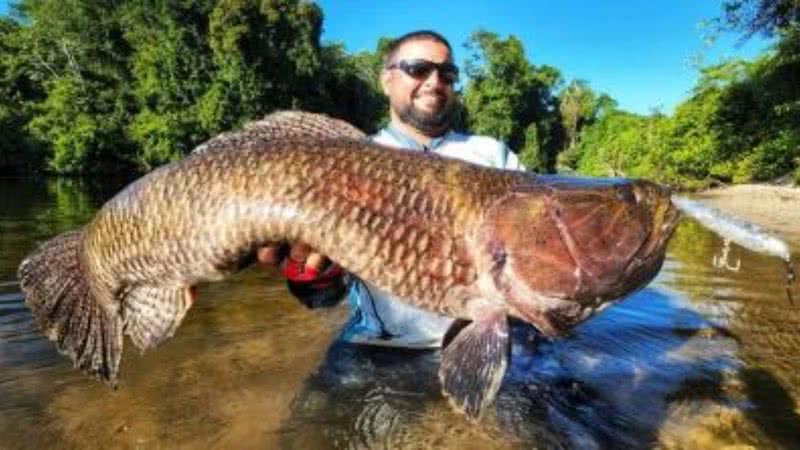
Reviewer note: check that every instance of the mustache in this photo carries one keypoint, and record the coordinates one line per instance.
(436, 92)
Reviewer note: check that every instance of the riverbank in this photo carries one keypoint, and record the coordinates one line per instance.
(775, 208)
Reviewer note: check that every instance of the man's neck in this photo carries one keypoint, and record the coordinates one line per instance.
(413, 133)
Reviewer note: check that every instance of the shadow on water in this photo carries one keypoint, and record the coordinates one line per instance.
(773, 408)
(609, 385)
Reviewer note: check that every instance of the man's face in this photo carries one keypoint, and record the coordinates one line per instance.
(426, 102)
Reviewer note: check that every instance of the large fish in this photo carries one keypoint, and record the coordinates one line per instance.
(470, 242)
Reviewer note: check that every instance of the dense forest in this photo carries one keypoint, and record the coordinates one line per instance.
(93, 87)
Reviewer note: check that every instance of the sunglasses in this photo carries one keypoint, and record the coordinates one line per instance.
(420, 69)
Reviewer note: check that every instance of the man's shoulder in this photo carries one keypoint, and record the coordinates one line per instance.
(475, 148)
(383, 137)
(456, 137)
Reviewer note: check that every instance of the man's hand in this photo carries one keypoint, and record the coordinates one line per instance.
(309, 260)
(311, 276)
(302, 265)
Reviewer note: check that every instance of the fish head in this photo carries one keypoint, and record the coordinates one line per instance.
(559, 248)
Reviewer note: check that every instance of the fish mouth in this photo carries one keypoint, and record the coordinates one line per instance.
(657, 201)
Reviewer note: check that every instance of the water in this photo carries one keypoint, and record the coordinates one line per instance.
(705, 357)
(746, 234)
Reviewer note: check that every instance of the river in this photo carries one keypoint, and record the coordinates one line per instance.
(707, 356)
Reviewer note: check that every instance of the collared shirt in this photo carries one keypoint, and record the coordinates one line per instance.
(482, 150)
(379, 318)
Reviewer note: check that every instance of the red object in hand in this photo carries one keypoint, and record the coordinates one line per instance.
(298, 272)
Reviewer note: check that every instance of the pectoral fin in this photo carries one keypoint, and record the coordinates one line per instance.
(152, 314)
(474, 362)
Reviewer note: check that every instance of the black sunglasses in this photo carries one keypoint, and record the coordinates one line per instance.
(420, 69)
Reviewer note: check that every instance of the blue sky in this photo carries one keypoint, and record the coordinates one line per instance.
(641, 53)
(644, 54)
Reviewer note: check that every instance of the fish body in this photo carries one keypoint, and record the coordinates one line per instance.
(474, 243)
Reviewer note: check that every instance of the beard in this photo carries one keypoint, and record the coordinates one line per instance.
(431, 123)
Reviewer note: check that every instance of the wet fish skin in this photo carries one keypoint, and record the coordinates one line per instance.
(570, 246)
(195, 220)
(466, 241)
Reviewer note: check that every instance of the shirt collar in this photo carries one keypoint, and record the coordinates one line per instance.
(409, 142)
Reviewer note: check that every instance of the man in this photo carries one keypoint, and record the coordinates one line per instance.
(370, 394)
(418, 77)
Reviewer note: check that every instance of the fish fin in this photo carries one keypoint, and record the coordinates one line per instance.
(474, 362)
(284, 125)
(152, 313)
(60, 298)
(287, 123)
(452, 332)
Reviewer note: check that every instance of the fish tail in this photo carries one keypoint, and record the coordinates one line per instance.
(59, 296)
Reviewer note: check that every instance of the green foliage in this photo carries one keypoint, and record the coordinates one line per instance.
(759, 16)
(267, 56)
(797, 172)
(578, 106)
(531, 154)
(691, 136)
(84, 125)
(506, 95)
(740, 125)
(18, 150)
(74, 52)
(771, 158)
(349, 88)
(171, 69)
(623, 144)
(90, 86)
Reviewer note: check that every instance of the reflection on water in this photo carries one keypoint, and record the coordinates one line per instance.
(705, 357)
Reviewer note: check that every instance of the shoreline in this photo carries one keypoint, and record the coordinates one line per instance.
(774, 208)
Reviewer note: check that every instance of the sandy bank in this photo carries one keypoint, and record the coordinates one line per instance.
(775, 208)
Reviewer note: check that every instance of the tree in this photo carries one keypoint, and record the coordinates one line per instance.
(578, 107)
(18, 91)
(759, 16)
(122, 84)
(76, 50)
(624, 144)
(349, 88)
(506, 94)
(266, 55)
(761, 112)
(171, 69)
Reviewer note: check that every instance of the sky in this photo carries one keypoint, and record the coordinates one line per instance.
(644, 54)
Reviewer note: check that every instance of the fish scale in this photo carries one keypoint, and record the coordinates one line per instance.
(340, 214)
